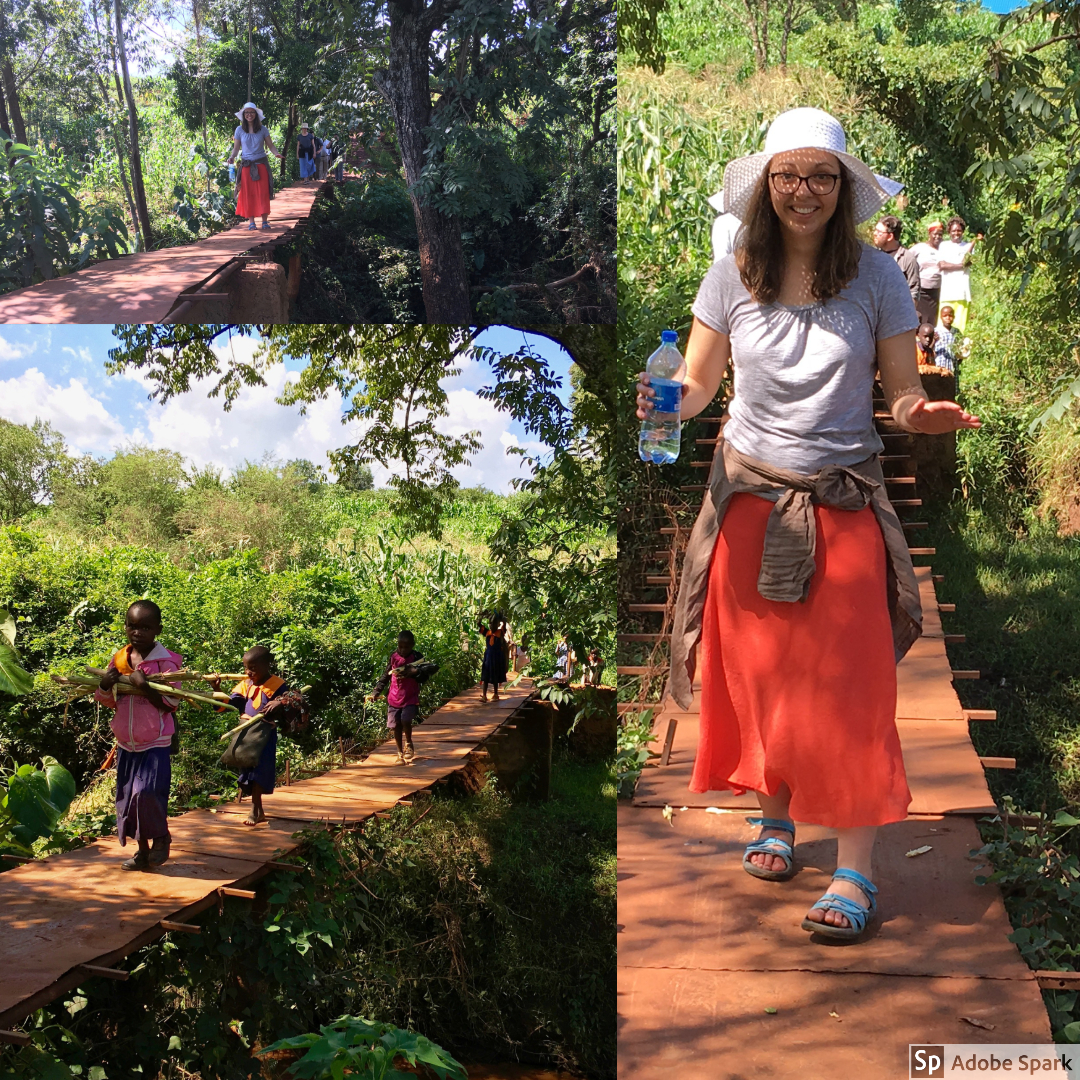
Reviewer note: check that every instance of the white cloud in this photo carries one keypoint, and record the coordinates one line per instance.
(72, 410)
(83, 354)
(492, 467)
(10, 351)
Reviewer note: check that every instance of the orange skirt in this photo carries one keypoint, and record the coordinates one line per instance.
(802, 694)
(254, 198)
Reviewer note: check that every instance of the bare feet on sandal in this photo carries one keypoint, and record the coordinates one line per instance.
(832, 916)
(251, 819)
(763, 859)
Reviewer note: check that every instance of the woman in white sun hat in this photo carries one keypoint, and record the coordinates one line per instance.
(797, 584)
(256, 187)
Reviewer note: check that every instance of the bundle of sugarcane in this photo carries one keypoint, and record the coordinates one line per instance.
(87, 684)
(189, 676)
(252, 719)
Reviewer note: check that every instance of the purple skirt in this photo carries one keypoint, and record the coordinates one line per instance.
(265, 773)
(142, 793)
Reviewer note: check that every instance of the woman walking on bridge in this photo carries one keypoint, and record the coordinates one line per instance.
(256, 187)
(797, 582)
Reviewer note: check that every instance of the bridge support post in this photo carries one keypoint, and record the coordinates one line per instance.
(521, 754)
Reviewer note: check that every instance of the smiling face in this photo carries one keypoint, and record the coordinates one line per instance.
(250, 114)
(934, 235)
(956, 231)
(803, 213)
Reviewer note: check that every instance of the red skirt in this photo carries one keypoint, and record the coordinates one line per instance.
(802, 694)
(254, 198)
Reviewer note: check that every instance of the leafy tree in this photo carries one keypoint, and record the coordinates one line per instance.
(466, 81)
(354, 477)
(389, 375)
(134, 497)
(31, 457)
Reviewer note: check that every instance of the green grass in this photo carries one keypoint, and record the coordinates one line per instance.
(1016, 594)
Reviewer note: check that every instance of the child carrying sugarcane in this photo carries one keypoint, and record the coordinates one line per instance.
(144, 725)
(403, 698)
(252, 696)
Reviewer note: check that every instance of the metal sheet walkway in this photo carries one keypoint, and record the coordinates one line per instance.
(144, 287)
(81, 908)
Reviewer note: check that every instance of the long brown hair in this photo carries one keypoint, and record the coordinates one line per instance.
(759, 251)
(255, 125)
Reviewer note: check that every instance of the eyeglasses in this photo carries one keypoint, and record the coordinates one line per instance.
(789, 183)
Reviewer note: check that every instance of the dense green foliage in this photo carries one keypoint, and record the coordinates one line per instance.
(487, 926)
(32, 803)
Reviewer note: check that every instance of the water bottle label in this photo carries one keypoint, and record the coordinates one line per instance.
(668, 395)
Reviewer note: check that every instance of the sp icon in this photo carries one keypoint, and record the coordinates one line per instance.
(926, 1062)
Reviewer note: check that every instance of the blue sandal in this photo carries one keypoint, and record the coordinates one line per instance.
(857, 915)
(771, 845)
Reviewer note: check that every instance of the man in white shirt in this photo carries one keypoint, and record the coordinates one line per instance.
(724, 228)
(886, 237)
(927, 253)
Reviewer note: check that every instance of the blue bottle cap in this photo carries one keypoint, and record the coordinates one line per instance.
(669, 337)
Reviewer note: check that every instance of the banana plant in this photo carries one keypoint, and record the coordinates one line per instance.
(15, 680)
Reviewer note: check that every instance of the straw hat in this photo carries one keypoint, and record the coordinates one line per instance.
(802, 129)
(249, 105)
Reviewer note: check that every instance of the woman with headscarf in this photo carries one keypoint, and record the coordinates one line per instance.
(256, 187)
(798, 595)
(305, 153)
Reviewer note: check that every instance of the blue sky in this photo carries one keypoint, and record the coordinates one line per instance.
(57, 373)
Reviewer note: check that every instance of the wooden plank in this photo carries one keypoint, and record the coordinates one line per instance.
(980, 714)
(998, 762)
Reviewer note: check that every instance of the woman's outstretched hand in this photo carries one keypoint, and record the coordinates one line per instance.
(645, 395)
(938, 417)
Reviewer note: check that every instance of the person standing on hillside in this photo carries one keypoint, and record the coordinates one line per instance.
(886, 237)
(953, 261)
(256, 187)
(797, 593)
(927, 254)
(724, 228)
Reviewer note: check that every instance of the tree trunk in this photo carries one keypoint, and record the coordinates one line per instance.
(287, 146)
(202, 85)
(11, 93)
(120, 163)
(133, 122)
(5, 123)
(405, 86)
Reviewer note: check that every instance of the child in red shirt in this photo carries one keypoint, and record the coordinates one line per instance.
(403, 699)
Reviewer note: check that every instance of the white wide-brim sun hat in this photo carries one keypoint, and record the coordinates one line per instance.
(249, 105)
(806, 129)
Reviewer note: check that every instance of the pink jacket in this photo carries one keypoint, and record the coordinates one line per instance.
(138, 724)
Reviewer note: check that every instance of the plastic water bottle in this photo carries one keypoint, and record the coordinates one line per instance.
(661, 433)
(232, 173)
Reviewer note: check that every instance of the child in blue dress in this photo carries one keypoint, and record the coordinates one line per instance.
(493, 669)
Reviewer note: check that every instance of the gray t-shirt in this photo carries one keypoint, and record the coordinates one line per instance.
(804, 375)
(251, 142)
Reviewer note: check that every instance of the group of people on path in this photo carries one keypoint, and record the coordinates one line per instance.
(798, 596)
(936, 271)
(251, 141)
(144, 723)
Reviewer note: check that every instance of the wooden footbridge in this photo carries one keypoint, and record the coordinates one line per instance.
(716, 979)
(72, 917)
(194, 283)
